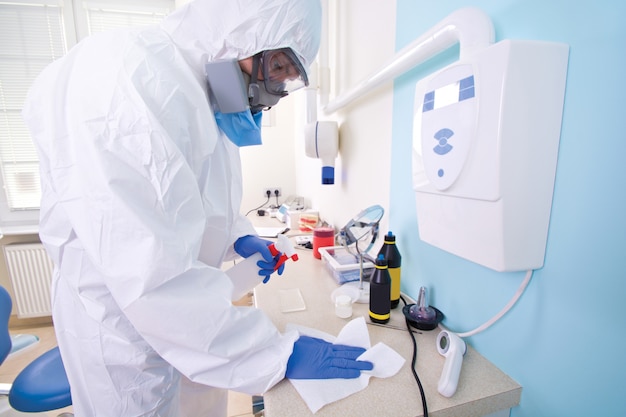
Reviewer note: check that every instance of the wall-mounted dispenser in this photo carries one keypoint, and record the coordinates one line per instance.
(322, 141)
(485, 145)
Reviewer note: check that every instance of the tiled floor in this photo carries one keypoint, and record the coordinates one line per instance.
(239, 405)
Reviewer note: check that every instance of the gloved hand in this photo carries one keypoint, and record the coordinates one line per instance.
(314, 358)
(249, 245)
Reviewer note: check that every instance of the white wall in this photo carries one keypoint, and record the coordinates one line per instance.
(362, 171)
(271, 164)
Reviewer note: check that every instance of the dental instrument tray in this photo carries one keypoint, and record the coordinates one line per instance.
(343, 265)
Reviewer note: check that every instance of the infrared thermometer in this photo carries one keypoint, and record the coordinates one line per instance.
(452, 347)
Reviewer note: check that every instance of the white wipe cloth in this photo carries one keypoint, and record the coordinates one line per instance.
(316, 393)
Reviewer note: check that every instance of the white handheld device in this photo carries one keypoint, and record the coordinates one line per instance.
(453, 348)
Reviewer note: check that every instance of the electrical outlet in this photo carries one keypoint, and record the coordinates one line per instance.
(274, 191)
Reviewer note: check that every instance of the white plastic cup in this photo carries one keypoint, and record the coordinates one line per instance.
(343, 306)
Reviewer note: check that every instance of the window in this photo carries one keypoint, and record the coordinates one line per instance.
(32, 35)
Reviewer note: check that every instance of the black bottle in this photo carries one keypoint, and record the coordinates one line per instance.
(380, 292)
(394, 260)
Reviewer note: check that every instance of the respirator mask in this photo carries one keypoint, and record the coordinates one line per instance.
(239, 98)
(282, 73)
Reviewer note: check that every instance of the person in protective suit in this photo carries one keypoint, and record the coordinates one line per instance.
(141, 191)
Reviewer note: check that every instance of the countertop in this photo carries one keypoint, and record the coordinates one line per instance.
(482, 390)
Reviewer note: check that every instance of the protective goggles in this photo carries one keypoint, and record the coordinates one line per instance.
(281, 70)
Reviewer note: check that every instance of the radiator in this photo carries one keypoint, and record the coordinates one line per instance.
(30, 271)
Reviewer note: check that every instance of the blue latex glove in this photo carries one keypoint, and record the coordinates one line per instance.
(314, 358)
(249, 245)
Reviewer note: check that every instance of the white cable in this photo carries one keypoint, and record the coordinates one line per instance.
(506, 308)
(412, 301)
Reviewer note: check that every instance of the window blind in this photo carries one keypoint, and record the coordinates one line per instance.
(32, 35)
(102, 16)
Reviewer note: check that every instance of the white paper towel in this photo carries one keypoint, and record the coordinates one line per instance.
(316, 393)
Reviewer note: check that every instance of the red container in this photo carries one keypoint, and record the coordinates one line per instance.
(322, 236)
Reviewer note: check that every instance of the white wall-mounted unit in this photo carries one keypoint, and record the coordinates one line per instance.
(486, 137)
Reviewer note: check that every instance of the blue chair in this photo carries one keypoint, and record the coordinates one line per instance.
(5, 313)
(42, 385)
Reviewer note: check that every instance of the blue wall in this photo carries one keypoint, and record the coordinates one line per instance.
(564, 340)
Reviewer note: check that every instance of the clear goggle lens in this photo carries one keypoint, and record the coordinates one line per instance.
(282, 72)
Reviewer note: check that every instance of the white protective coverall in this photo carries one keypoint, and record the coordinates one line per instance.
(140, 207)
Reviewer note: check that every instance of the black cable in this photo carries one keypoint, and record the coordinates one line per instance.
(413, 363)
(262, 205)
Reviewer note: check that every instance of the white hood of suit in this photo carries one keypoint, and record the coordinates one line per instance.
(236, 29)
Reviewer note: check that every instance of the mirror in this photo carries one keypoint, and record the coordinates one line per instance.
(360, 234)
(362, 230)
